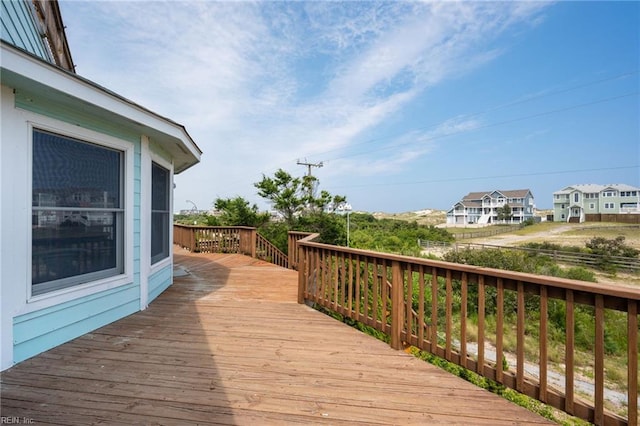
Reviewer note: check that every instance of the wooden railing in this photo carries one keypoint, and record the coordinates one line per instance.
(228, 239)
(270, 253)
(293, 238)
(473, 316)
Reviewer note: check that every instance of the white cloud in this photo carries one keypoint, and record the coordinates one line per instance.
(260, 84)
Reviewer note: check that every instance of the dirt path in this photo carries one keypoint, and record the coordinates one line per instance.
(513, 239)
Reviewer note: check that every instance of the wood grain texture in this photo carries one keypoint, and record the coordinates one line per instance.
(229, 344)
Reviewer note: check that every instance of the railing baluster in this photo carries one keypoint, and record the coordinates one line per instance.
(421, 318)
(542, 342)
(520, 339)
(322, 272)
(569, 345)
(632, 361)
(397, 290)
(499, 329)
(384, 296)
(448, 316)
(599, 361)
(375, 293)
(358, 267)
(365, 287)
(434, 310)
(481, 314)
(350, 286)
(409, 303)
(336, 279)
(463, 320)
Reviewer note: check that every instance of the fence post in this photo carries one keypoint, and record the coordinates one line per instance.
(397, 305)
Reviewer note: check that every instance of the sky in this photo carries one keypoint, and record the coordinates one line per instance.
(407, 105)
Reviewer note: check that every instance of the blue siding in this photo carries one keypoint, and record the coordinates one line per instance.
(39, 331)
(42, 330)
(20, 29)
(159, 282)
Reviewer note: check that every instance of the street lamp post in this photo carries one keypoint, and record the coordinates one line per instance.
(346, 207)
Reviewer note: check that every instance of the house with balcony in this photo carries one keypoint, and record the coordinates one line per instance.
(583, 202)
(482, 208)
(86, 182)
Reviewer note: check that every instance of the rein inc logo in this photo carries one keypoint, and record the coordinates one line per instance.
(8, 420)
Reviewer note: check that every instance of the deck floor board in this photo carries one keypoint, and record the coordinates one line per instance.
(228, 344)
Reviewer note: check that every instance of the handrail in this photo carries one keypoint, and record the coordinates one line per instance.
(265, 250)
(429, 304)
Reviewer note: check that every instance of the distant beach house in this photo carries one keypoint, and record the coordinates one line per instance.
(588, 202)
(484, 208)
(86, 183)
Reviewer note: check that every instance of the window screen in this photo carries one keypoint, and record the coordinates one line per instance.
(77, 212)
(159, 213)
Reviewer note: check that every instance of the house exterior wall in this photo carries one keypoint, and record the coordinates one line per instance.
(33, 323)
(482, 208)
(578, 202)
(41, 92)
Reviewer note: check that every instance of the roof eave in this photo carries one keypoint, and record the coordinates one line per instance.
(23, 71)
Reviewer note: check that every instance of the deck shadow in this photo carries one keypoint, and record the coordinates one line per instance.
(152, 367)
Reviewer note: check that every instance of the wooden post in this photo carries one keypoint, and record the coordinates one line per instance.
(303, 273)
(397, 287)
(254, 238)
(291, 251)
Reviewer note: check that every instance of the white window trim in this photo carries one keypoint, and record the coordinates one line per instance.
(41, 301)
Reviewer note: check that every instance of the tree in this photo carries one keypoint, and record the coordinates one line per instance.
(504, 212)
(238, 212)
(285, 193)
(291, 196)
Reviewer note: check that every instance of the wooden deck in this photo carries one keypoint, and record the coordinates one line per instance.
(228, 344)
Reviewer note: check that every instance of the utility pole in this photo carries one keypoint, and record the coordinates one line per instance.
(309, 166)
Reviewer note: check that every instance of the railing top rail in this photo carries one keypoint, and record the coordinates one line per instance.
(249, 228)
(300, 233)
(542, 280)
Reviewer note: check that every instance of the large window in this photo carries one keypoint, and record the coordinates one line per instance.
(77, 215)
(159, 213)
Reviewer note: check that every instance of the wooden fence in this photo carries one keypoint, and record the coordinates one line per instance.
(619, 218)
(560, 256)
(454, 311)
(484, 233)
